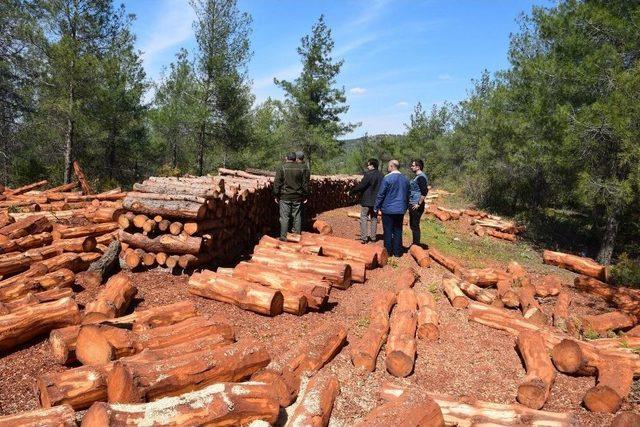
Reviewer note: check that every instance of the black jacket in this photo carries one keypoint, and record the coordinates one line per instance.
(368, 186)
(292, 182)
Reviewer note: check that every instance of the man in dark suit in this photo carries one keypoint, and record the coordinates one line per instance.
(368, 188)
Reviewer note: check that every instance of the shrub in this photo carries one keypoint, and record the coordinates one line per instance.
(626, 272)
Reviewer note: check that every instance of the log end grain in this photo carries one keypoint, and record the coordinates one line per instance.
(92, 347)
(428, 332)
(533, 393)
(399, 364)
(567, 356)
(602, 398)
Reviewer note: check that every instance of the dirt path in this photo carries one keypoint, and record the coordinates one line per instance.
(468, 360)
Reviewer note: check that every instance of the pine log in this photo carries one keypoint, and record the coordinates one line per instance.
(561, 312)
(500, 235)
(420, 255)
(284, 373)
(32, 321)
(536, 385)
(26, 188)
(5, 219)
(24, 243)
(613, 385)
(62, 188)
(454, 294)
(164, 243)
(186, 207)
(59, 416)
(365, 353)
(31, 299)
(413, 409)
(134, 379)
(612, 321)
(78, 387)
(549, 285)
(85, 230)
(312, 287)
(531, 309)
(479, 231)
(625, 299)
(483, 277)
(246, 295)
(76, 244)
(34, 224)
(100, 215)
(371, 255)
(82, 179)
(316, 404)
(401, 343)
(476, 293)
(404, 279)
(575, 263)
(217, 404)
(626, 419)
(454, 213)
(107, 263)
(57, 279)
(112, 301)
(516, 270)
(270, 242)
(427, 317)
(322, 227)
(507, 294)
(442, 216)
(444, 261)
(339, 275)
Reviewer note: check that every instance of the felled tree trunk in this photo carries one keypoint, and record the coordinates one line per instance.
(316, 404)
(246, 295)
(476, 293)
(413, 409)
(339, 247)
(58, 279)
(322, 227)
(404, 279)
(401, 343)
(83, 231)
(561, 312)
(536, 386)
(78, 387)
(613, 385)
(365, 353)
(34, 224)
(32, 321)
(483, 277)
(427, 317)
(507, 294)
(164, 243)
(420, 255)
(500, 235)
(187, 207)
(530, 307)
(453, 293)
(612, 321)
(444, 261)
(133, 381)
(59, 416)
(217, 404)
(112, 301)
(575, 263)
(549, 285)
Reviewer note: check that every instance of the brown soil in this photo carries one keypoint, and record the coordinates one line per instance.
(468, 360)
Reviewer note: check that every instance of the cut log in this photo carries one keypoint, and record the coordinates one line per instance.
(413, 409)
(76, 244)
(401, 343)
(404, 279)
(100, 215)
(530, 307)
(59, 416)
(175, 228)
(420, 255)
(17, 262)
(85, 230)
(427, 317)
(441, 215)
(444, 261)
(26, 188)
(626, 419)
(575, 263)
(306, 358)
(613, 385)
(341, 248)
(365, 353)
(270, 242)
(112, 301)
(454, 294)
(24, 243)
(31, 299)
(483, 277)
(625, 299)
(217, 404)
(62, 188)
(157, 204)
(479, 231)
(338, 274)
(82, 179)
(78, 387)
(30, 322)
(136, 379)
(314, 288)
(316, 404)
(243, 294)
(500, 235)
(536, 385)
(34, 224)
(549, 285)
(477, 293)
(612, 321)
(507, 294)
(107, 264)
(165, 243)
(561, 312)
(322, 227)
(57, 279)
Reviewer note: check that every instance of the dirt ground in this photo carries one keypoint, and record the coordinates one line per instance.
(468, 360)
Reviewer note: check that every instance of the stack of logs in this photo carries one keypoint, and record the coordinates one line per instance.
(292, 276)
(191, 221)
(553, 342)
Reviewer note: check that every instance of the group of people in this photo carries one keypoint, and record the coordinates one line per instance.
(391, 195)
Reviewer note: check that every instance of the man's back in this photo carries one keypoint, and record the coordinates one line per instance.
(393, 197)
(292, 181)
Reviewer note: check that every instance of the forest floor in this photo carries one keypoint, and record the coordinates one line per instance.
(469, 359)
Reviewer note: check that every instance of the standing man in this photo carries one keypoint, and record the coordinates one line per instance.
(419, 189)
(307, 174)
(393, 200)
(368, 188)
(290, 191)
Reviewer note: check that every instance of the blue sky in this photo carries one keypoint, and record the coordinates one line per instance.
(396, 52)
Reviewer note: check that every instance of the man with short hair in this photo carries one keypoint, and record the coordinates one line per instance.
(419, 187)
(393, 200)
(368, 188)
(291, 190)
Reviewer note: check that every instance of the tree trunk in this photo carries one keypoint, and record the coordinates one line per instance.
(454, 294)
(112, 301)
(536, 385)
(315, 407)
(612, 387)
(413, 409)
(365, 353)
(427, 317)
(59, 416)
(401, 343)
(201, 148)
(608, 241)
(420, 255)
(578, 264)
(69, 141)
(166, 243)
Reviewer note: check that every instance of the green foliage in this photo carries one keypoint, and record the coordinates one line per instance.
(590, 334)
(626, 272)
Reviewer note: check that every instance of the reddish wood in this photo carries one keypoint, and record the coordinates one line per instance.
(59, 416)
(25, 188)
(339, 247)
(34, 224)
(483, 277)
(322, 227)
(561, 318)
(441, 215)
(580, 265)
(404, 279)
(427, 317)
(612, 321)
(78, 387)
(444, 261)
(82, 179)
(401, 343)
(530, 307)
(246, 295)
(32, 321)
(57, 279)
(626, 419)
(500, 235)
(613, 385)
(135, 379)
(451, 287)
(112, 301)
(217, 404)
(165, 243)
(24, 243)
(365, 353)
(477, 293)
(413, 409)
(76, 244)
(316, 404)
(549, 285)
(420, 255)
(507, 294)
(625, 299)
(85, 230)
(534, 389)
(177, 206)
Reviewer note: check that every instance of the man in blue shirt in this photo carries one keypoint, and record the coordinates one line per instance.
(393, 201)
(419, 189)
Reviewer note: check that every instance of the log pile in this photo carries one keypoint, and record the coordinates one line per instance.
(190, 221)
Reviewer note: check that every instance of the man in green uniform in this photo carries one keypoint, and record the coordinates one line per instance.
(291, 190)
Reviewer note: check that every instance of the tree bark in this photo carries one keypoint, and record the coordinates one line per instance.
(454, 294)
(605, 253)
(401, 343)
(316, 404)
(112, 301)
(536, 385)
(365, 353)
(427, 317)
(420, 255)
(59, 416)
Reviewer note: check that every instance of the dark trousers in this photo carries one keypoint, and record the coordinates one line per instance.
(290, 211)
(414, 223)
(392, 230)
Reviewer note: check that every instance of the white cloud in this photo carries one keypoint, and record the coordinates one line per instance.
(357, 90)
(402, 104)
(173, 26)
(444, 77)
